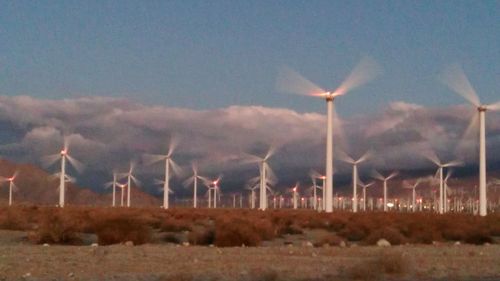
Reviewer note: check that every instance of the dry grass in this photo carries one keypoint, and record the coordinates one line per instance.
(234, 227)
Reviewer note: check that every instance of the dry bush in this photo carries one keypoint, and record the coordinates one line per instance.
(478, 237)
(201, 236)
(387, 264)
(353, 233)
(175, 225)
(388, 233)
(120, 229)
(235, 232)
(55, 227)
(14, 218)
(327, 239)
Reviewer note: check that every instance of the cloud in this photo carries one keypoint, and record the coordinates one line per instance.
(106, 133)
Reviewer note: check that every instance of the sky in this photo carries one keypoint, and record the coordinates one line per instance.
(207, 71)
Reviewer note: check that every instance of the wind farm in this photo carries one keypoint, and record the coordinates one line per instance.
(314, 140)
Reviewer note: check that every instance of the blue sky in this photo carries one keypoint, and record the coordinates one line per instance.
(212, 54)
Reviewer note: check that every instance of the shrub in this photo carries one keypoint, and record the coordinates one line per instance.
(175, 225)
(478, 237)
(327, 239)
(13, 218)
(353, 233)
(122, 229)
(386, 264)
(388, 233)
(201, 236)
(55, 228)
(235, 232)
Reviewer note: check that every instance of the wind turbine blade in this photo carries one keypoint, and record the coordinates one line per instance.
(454, 163)
(469, 134)
(248, 158)
(494, 106)
(455, 78)
(338, 129)
(150, 159)
(14, 187)
(253, 180)
(136, 181)
(431, 156)
(174, 141)
(377, 175)
(448, 175)
(365, 71)
(392, 175)
(16, 173)
(175, 168)
(271, 176)
(417, 183)
(49, 160)
(108, 184)
(315, 174)
(188, 181)
(342, 155)
(370, 184)
(70, 179)
(365, 157)
(79, 167)
(65, 143)
(270, 153)
(292, 82)
(194, 167)
(157, 181)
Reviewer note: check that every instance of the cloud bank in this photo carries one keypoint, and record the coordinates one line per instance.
(107, 133)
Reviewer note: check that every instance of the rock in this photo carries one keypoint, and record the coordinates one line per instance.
(314, 255)
(185, 244)
(383, 243)
(457, 243)
(45, 245)
(94, 245)
(342, 244)
(129, 243)
(486, 244)
(27, 275)
(307, 244)
(71, 274)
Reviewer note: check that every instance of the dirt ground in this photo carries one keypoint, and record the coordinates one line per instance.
(21, 260)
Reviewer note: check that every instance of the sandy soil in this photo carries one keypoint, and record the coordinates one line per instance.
(23, 261)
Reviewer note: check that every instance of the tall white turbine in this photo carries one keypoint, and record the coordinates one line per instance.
(130, 178)
(194, 180)
(348, 159)
(413, 192)
(252, 185)
(434, 159)
(63, 176)
(322, 187)
(12, 185)
(213, 186)
(292, 82)
(113, 185)
(122, 188)
(267, 176)
(455, 78)
(378, 176)
(169, 163)
(364, 186)
(295, 195)
(446, 190)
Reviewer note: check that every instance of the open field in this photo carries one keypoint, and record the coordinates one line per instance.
(45, 243)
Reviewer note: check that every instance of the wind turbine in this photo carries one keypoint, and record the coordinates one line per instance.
(446, 189)
(63, 177)
(413, 193)
(378, 176)
(12, 185)
(365, 186)
(113, 184)
(130, 178)
(348, 159)
(434, 159)
(194, 180)
(252, 185)
(212, 185)
(292, 82)
(455, 78)
(322, 187)
(169, 163)
(314, 175)
(267, 176)
(295, 195)
(122, 187)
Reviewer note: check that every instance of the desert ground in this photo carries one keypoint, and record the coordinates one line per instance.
(93, 243)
